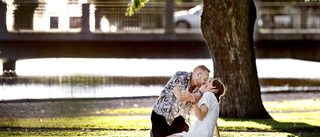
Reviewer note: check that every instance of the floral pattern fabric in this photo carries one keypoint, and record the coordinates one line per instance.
(167, 104)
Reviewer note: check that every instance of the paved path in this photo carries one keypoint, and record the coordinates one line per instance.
(87, 107)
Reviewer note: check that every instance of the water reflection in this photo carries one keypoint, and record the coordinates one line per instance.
(41, 91)
(79, 86)
(104, 78)
(107, 67)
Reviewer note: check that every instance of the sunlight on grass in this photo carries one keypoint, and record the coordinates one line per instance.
(237, 124)
(304, 121)
(311, 118)
(265, 134)
(77, 133)
(274, 106)
(127, 111)
(308, 121)
(145, 134)
(101, 122)
(299, 105)
(136, 122)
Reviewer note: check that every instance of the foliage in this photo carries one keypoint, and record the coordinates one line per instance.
(134, 6)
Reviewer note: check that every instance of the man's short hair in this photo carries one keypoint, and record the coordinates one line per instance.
(201, 67)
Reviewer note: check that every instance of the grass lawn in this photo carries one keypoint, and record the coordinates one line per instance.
(136, 122)
(146, 134)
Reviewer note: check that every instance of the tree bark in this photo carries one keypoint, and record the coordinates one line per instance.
(227, 26)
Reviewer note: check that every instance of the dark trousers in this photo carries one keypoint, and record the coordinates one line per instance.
(160, 127)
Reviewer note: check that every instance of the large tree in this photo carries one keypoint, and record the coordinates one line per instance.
(227, 26)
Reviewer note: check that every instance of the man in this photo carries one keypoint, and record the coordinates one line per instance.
(171, 112)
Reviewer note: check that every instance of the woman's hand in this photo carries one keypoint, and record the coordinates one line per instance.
(187, 95)
(181, 94)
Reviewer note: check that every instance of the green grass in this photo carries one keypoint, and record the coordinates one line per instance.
(284, 122)
(293, 122)
(300, 105)
(147, 134)
(127, 111)
(266, 134)
(136, 122)
(93, 122)
(274, 106)
(77, 133)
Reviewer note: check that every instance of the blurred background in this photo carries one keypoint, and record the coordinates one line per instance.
(90, 49)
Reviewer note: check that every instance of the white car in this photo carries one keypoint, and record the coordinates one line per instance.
(186, 19)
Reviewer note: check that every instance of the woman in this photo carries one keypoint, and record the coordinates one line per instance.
(207, 111)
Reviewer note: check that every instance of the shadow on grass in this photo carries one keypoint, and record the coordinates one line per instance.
(276, 126)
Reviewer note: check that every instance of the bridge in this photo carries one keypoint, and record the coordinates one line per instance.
(159, 30)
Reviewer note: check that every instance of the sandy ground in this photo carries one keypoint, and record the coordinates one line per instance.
(89, 107)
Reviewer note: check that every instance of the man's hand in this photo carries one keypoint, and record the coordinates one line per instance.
(206, 88)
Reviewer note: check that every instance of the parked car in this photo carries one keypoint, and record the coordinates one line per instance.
(186, 19)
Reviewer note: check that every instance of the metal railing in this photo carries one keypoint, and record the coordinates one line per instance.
(109, 17)
(288, 18)
(43, 17)
(103, 17)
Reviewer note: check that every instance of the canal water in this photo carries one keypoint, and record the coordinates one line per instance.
(109, 78)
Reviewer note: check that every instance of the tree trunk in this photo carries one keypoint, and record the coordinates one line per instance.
(227, 26)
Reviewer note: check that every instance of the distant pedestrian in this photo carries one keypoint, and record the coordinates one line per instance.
(171, 112)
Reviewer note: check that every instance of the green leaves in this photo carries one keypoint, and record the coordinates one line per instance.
(134, 6)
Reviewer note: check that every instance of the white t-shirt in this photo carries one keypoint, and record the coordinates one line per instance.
(205, 128)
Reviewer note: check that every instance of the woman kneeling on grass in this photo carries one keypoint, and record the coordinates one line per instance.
(207, 111)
